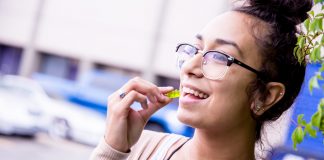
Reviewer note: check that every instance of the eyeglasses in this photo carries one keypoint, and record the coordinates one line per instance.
(214, 65)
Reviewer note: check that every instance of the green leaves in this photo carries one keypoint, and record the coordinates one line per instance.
(301, 42)
(315, 54)
(309, 129)
(301, 120)
(316, 119)
(322, 68)
(310, 43)
(297, 136)
(320, 15)
(311, 13)
(321, 114)
(318, 116)
(316, 124)
(313, 83)
(306, 23)
(316, 25)
(319, 25)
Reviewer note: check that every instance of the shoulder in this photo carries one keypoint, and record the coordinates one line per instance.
(150, 141)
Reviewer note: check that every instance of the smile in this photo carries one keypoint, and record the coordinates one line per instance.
(198, 94)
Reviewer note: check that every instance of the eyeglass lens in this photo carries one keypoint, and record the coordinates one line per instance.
(214, 64)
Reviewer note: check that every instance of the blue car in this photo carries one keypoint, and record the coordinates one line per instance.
(94, 88)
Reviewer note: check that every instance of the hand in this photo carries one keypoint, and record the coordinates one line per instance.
(125, 125)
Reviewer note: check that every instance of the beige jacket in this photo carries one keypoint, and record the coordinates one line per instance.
(151, 145)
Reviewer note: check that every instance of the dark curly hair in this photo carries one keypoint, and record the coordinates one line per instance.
(276, 46)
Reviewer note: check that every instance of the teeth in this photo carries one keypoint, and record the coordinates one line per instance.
(201, 95)
(193, 92)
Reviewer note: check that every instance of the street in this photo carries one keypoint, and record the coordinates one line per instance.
(41, 147)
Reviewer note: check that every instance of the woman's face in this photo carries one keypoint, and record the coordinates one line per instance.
(227, 106)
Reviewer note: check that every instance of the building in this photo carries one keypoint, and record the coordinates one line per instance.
(67, 38)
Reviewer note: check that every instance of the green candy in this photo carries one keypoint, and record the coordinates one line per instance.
(173, 94)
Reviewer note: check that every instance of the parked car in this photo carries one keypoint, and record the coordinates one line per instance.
(74, 122)
(18, 114)
(93, 89)
(41, 113)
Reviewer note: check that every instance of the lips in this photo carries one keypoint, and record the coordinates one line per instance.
(194, 92)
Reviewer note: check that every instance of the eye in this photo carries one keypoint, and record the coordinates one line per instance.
(216, 58)
(219, 57)
(190, 50)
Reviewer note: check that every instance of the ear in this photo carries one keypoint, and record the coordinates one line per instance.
(275, 92)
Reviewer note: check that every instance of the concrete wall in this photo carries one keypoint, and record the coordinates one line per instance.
(140, 35)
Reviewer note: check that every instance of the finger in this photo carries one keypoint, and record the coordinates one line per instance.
(147, 113)
(164, 90)
(143, 87)
(114, 97)
(144, 104)
(152, 99)
(125, 103)
(133, 96)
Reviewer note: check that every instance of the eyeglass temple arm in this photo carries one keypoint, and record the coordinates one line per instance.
(247, 67)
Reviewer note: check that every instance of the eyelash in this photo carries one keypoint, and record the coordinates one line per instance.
(200, 48)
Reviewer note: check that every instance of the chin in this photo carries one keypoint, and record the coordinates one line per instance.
(186, 117)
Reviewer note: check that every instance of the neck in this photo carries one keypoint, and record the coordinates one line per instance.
(208, 145)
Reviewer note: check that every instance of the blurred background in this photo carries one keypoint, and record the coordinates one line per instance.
(60, 59)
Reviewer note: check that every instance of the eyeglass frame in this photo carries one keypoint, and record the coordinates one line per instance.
(230, 60)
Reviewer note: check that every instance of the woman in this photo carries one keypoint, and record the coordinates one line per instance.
(239, 73)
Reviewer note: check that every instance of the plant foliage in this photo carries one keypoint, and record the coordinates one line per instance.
(309, 48)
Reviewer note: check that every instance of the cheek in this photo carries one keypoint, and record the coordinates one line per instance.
(230, 95)
(228, 109)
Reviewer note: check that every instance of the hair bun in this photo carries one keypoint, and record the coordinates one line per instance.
(289, 12)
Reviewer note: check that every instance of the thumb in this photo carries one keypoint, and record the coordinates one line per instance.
(164, 90)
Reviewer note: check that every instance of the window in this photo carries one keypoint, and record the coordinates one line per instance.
(10, 58)
(119, 70)
(59, 66)
(108, 77)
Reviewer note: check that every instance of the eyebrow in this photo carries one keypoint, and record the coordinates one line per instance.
(224, 42)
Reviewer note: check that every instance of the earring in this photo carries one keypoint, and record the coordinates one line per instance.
(281, 93)
(258, 106)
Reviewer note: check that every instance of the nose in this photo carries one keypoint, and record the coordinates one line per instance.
(192, 67)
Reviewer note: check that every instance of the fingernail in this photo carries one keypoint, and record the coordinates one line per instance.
(170, 87)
